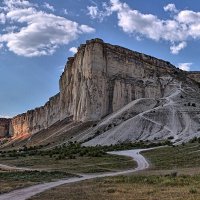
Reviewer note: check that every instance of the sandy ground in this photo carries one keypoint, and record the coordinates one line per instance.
(25, 193)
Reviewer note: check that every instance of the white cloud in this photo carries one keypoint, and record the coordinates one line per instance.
(2, 18)
(95, 13)
(188, 17)
(13, 4)
(61, 68)
(175, 49)
(170, 7)
(48, 6)
(10, 28)
(185, 66)
(181, 26)
(5, 116)
(93, 2)
(65, 11)
(1, 45)
(39, 33)
(86, 29)
(148, 25)
(73, 50)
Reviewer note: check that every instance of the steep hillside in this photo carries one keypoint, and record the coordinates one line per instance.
(175, 117)
(109, 94)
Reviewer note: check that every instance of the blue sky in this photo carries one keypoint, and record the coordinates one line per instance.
(36, 37)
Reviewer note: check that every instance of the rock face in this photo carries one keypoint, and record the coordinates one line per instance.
(37, 119)
(175, 117)
(4, 127)
(195, 76)
(100, 80)
(103, 78)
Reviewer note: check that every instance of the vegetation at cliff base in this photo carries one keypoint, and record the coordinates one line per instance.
(72, 150)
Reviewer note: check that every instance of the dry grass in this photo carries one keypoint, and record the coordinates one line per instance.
(187, 156)
(78, 165)
(12, 185)
(15, 180)
(148, 185)
(128, 188)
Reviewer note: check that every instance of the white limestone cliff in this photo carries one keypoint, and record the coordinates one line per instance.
(101, 80)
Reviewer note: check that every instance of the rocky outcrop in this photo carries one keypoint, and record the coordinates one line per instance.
(174, 117)
(195, 75)
(101, 79)
(4, 127)
(38, 119)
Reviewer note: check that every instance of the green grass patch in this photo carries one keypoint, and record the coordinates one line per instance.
(135, 187)
(183, 156)
(15, 180)
(78, 165)
(72, 150)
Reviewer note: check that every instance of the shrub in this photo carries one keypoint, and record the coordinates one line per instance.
(111, 190)
(193, 190)
(193, 140)
(72, 156)
(174, 174)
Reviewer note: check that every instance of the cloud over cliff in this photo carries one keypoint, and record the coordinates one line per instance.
(180, 27)
(38, 32)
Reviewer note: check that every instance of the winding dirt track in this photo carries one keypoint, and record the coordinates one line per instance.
(25, 193)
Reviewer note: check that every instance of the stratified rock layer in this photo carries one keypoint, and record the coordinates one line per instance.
(100, 80)
(38, 119)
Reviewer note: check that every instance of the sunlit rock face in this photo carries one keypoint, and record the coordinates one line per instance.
(102, 78)
(99, 80)
(38, 119)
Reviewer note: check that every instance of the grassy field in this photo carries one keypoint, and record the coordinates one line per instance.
(164, 181)
(128, 188)
(77, 165)
(183, 156)
(158, 183)
(57, 165)
(73, 158)
(14, 180)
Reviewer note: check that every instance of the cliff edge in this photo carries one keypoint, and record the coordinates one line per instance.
(104, 81)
